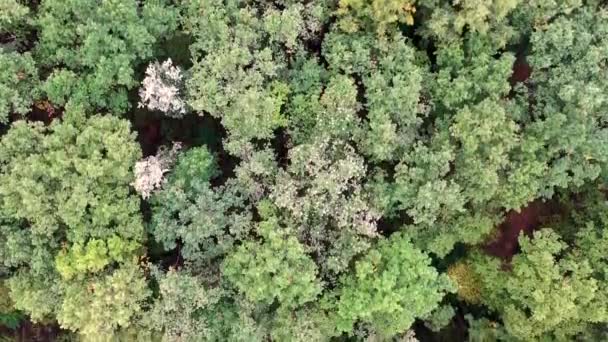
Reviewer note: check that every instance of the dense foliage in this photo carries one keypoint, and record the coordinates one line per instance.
(325, 170)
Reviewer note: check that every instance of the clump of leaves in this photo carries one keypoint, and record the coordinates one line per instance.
(548, 293)
(19, 84)
(264, 271)
(65, 194)
(379, 14)
(93, 48)
(392, 285)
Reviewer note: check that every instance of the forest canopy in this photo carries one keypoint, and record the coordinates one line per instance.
(303, 170)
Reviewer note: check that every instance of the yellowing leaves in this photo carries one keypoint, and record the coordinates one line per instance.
(357, 14)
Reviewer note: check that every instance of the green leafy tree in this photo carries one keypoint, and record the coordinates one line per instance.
(14, 23)
(240, 57)
(392, 82)
(320, 194)
(264, 271)
(94, 256)
(377, 13)
(234, 76)
(568, 99)
(359, 138)
(19, 84)
(548, 293)
(98, 307)
(448, 20)
(440, 318)
(208, 221)
(194, 169)
(305, 324)
(9, 317)
(92, 48)
(71, 177)
(176, 314)
(12, 10)
(65, 195)
(392, 286)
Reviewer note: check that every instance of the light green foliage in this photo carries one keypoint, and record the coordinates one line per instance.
(591, 243)
(437, 202)
(14, 22)
(66, 184)
(392, 76)
(275, 269)
(469, 73)
(241, 56)
(71, 178)
(337, 117)
(486, 136)
(537, 13)
(547, 293)
(255, 175)
(234, 76)
(394, 101)
(99, 306)
(420, 187)
(94, 256)
(478, 159)
(379, 14)
(440, 318)
(18, 84)
(392, 286)
(447, 20)
(234, 319)
(38, 293)
(302, 325)
(464, 160)
(483, 130)
(11, 11)
(93, 47)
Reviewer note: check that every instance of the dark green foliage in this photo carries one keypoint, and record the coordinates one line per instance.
(9, 317)
(18, 84)
(207, 221)
(194, 169)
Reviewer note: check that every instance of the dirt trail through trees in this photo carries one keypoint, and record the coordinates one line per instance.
(528, 219)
